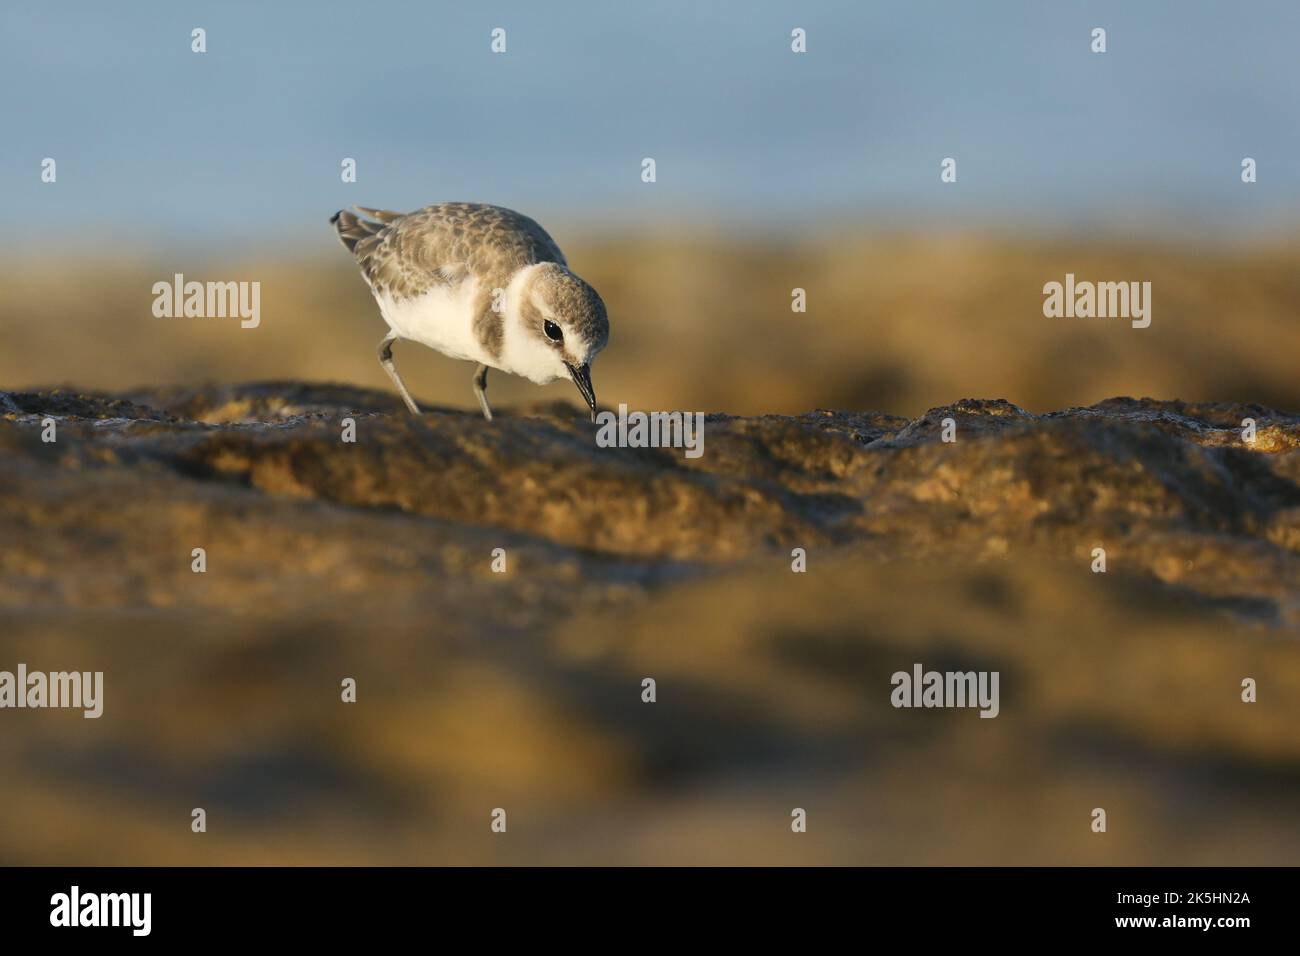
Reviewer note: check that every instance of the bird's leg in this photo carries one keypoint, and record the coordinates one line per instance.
(386, 360)
(480, 390)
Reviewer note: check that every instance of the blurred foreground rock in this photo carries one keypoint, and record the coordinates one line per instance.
(522, 690)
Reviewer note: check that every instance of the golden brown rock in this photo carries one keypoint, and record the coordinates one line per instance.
(522, 690)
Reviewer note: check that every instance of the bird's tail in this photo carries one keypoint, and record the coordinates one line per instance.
(352, 229)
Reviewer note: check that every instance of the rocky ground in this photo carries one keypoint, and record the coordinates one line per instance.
(373, 559)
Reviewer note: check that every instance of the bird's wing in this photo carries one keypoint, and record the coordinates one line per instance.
(405, 255)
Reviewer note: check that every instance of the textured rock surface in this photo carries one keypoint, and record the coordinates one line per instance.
(522, 690)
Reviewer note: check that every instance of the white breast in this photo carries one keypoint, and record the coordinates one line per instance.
(442, 319)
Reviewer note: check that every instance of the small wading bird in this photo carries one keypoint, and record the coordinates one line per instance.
(479, 283)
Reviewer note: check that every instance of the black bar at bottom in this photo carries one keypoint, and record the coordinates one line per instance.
(230, 905)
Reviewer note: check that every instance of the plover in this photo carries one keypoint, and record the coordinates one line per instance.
(479, 283)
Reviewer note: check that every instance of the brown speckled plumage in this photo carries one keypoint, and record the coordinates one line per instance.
(404, 255)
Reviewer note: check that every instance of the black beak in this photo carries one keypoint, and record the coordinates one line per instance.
(581, 375)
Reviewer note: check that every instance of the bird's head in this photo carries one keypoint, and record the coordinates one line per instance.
(559, 326)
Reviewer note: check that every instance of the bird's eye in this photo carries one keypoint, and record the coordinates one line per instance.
(552, 331)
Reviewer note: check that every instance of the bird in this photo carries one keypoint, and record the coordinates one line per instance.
(480, 283)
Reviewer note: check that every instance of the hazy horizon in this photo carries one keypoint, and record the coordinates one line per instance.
(242, 144)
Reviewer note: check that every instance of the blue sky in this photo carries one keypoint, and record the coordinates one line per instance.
(156, 144)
